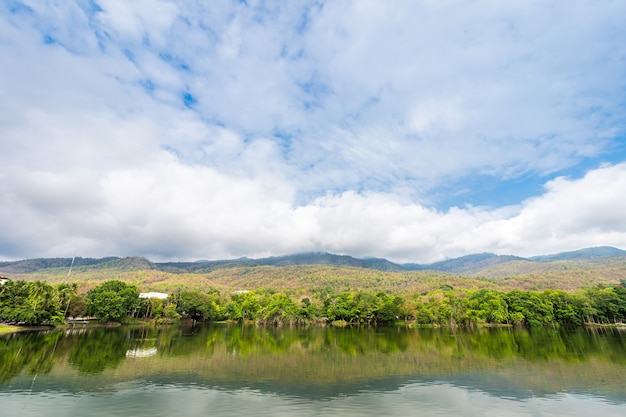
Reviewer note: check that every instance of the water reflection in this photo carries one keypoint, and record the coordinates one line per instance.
(319, 363)
(414, 399)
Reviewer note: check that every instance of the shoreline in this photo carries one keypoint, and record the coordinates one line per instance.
(10, 329)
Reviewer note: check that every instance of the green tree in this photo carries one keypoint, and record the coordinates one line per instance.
(65, 294)
(198, 305)
(280, 310)
(567, 308)
(41, 295)
(112, 300)
(244, 306)
(31, 303)
(389, 309)
(535, 308)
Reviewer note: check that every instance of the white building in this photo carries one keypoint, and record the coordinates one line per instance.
(159, 295)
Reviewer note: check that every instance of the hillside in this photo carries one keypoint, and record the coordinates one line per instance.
(587, 253)
(305, 273)
(483, 264)
(315, 258)
(467, 265)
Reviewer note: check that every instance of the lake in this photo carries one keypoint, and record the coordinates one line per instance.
(230, 370)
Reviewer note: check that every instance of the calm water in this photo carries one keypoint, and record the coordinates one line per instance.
(243, 371)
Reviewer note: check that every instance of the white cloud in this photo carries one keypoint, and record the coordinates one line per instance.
(312, 127)
(167, 210)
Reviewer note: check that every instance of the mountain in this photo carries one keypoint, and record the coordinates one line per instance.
(588, 253)
(28, 266)
(470, 263)
(313, 258)
(476, 265)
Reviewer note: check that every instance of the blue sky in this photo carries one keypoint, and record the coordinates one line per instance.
(411, 130)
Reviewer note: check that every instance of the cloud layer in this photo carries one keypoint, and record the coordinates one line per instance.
(194, 130)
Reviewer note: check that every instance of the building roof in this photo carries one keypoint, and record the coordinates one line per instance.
(159, 295)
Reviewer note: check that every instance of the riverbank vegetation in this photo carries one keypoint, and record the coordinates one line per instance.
(443, 307)
(37, 303)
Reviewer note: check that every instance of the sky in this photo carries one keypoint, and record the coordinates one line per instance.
(413, 130)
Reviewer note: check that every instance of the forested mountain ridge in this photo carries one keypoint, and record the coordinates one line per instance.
(587, 253)
(519, 291)
(467, 265)
(476, 265)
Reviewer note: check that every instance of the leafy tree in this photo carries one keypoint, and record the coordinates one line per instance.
(606, 304)
(41, 295)
(536, 309)
(77, 307)
(567, 308)
(389, 309)
(112, 300)
(65, 294)
(244, 306)
(198, 305)
(280, 310)
(31, 303)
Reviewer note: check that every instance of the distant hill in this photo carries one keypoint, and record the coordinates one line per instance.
(320, 271)
(470, 263)
(477, 265)
(505, 266)
(27, 266)
(314, 258)
(588, 253)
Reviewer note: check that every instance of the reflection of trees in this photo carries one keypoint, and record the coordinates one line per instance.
(35, 352)
(98, 350)
(532, 345)
(324, 352)
(363, 341)
(244, 340)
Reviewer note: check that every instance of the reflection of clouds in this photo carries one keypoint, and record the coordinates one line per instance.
(141, 353)
(416, 399)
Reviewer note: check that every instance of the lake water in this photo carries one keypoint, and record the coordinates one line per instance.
(227, 370)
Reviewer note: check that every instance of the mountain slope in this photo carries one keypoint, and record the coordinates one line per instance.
(477, 265)
(587, 253)
(471, 263)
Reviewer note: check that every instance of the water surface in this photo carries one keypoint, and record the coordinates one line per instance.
(236, 371)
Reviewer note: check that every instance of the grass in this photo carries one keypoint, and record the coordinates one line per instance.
(6, 329)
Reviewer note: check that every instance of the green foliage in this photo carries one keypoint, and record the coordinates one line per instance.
(278, 309)
(112, 301)
(65, 294)
(243, 306)
(198, 305)
(389, 308)
(314, 294)
(77, 307)
(31, 303)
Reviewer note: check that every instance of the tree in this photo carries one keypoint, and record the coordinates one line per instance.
(112, 301)
(40, 295)
(244, 306)
(31, 303)
(279, 310)
(65, 294)
(389, 309)
(197, 305)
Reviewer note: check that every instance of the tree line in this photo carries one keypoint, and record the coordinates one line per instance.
(37, 302)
